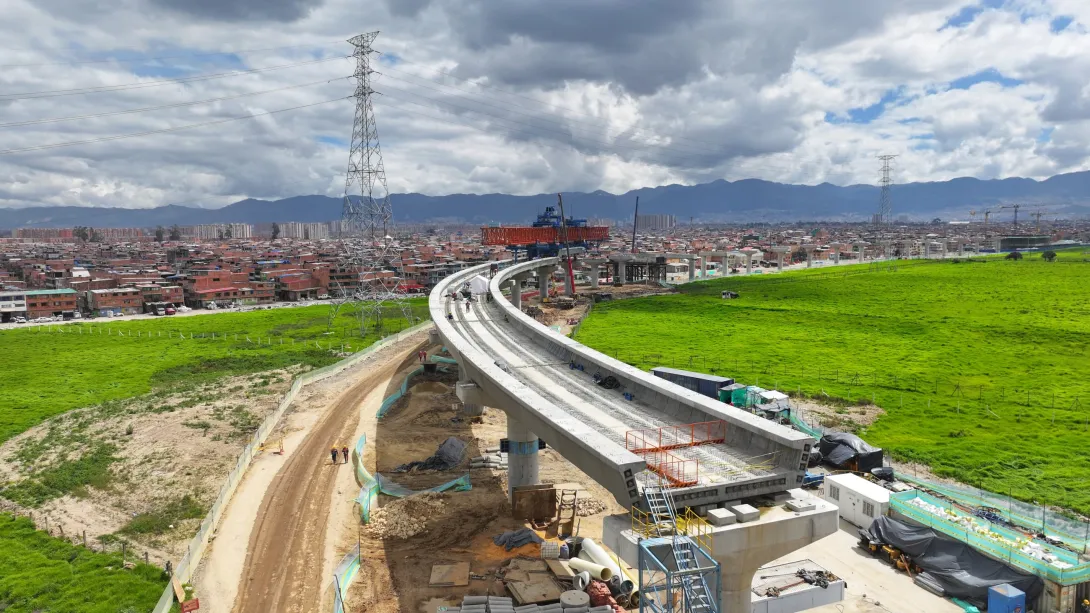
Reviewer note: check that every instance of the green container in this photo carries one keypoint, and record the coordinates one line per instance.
(739, 397)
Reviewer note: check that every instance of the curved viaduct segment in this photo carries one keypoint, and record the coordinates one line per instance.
(545, 383)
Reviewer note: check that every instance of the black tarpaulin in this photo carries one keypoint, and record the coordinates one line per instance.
(962, 571)
(448, 456)
(840, 448)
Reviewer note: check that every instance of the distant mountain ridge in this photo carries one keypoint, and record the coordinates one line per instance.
(748, 200)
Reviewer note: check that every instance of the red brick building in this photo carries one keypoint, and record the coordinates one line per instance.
(50, 302)
(120, 300)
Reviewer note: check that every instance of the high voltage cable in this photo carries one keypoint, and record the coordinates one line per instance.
(164, 130)
(164, 106)
(162, 57)
(144, 84)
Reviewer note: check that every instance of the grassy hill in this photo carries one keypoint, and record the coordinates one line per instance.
(981, 366)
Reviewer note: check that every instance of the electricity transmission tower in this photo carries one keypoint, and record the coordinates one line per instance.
(367, 282)
(885, 204)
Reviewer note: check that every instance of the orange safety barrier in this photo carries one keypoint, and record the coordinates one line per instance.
(676, 437)
(678, 471)
(522, 235)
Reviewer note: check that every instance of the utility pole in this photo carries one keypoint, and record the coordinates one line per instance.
(635, 219)
(885, 202)
(366, 214)
(567, 247)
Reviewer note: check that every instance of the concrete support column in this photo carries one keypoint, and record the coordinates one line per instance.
(544, 278)
(809, 258)
(619, 279)
(569, 279)
(522, 456)
(472, 410)
(594, 276)
(703, 267)
(516, 293)
(692, 268)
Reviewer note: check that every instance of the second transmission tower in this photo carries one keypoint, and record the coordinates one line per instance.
(368, 283)
(885, 203)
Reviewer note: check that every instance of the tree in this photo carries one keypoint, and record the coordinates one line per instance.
(228, 232)
(1049, 256)
(81, 232)
(275, 231)
(175, 233)
(96, 236)
(159, 232)
(219, 233)
(1014, 255)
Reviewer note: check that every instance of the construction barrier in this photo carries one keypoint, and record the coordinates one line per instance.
(185, 568)
(989, 538)
(390, 400)
(343, 576)
(368, 496)
(461, 484)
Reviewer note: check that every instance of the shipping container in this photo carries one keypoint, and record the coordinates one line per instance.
(706, 385)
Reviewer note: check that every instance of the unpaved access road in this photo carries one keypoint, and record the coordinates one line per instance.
(284, 561)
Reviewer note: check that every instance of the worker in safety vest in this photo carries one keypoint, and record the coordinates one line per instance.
(344, 451)
(333, 453)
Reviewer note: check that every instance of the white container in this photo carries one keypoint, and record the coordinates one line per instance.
(860, 501)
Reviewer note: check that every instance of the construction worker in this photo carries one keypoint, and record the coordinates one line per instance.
(467, 306)
(344, 451)
(333, 453)
(1085, 606)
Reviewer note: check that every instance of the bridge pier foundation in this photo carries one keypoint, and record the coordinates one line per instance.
(472, 410)
(522, 456)
(544, 276)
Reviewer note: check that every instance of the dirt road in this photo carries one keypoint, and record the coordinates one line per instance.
(283, 570)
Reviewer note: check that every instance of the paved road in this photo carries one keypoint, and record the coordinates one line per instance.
(278, 305)
(283, 570)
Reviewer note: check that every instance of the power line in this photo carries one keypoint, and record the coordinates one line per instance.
(164, 106)
(143, 84)
(158, 58)
(164, 130)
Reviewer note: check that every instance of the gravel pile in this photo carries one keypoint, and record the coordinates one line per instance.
(405, 517)
(588, 506)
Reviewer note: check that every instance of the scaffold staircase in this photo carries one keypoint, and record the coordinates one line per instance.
(697, 596)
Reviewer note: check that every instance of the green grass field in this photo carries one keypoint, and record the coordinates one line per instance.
(982, 367)
(52, 369)
(41, 573)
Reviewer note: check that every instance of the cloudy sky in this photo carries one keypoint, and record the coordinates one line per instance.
(531, 96)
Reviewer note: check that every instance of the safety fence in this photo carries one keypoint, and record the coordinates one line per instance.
(343, 576)
(1000, 543)
(186, 567)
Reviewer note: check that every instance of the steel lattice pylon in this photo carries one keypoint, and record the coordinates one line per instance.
(367, 281)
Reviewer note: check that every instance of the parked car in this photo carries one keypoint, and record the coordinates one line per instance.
(170, 311)
(19, 320)
(323, 296)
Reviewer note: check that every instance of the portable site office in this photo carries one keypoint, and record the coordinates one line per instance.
(860, 501)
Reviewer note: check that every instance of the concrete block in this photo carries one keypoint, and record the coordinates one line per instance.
(781, 497)
(721, 517)
(745, 513)
(800, 505)
(730, 503)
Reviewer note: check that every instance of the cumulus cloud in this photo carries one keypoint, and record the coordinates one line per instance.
(532, 96)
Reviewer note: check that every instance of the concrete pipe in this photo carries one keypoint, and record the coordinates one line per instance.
(581, 581)
(474, 600)
(593, 552)
(596, 571)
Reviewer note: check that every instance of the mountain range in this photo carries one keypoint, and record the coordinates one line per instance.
(749, 200)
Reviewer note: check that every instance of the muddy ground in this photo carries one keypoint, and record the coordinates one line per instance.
(394, 573)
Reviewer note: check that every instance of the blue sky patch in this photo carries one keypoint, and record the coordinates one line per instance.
(332, 140)
(1059, 24)
(969, 13)
(866, 114)
(390, 59)
(1045, 134)
(990, 75)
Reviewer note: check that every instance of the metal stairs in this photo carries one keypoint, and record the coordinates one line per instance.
(697, 596)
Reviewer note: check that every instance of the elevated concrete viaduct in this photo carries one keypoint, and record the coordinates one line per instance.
(550, 388)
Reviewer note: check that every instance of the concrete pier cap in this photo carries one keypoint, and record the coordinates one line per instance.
(862, 246)
(742, 547)
(809, 249)
(837, 247)
(780, 251)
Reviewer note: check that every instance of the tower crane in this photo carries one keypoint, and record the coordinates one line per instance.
(1037, 215)
(1015, 207)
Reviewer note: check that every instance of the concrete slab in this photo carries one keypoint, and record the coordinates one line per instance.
(800, 505)
(721, 517)
(745, 513)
